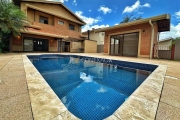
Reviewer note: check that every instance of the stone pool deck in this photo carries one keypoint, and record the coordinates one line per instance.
(15, 100)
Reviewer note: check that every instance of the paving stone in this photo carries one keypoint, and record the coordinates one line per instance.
(167, 112)
(171, 95)
(137, 109)
(14, 80)
(16, 108)
(175, 82)
(173, 71)
(11, 74)
(9, 89)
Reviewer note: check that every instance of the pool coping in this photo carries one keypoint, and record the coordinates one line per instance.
(140, 105)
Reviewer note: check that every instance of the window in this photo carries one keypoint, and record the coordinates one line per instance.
(71, 27)
(43, 20)
(60, 22)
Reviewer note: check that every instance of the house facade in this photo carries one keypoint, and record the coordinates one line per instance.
(137, 38)
(165, 44)
(99, 37)
(51, 27)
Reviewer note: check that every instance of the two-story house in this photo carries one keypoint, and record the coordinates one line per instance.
(51, 27)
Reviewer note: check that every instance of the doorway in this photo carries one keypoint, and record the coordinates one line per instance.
(35, 44)
(124, 44)
(28, 45)
(65, 46)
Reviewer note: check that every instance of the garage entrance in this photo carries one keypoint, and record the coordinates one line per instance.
(124, 44)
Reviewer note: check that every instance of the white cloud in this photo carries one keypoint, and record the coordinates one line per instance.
(146, 5)
(174, 32)
(116, 24)
(59, 0)
(74, 3)
(88, 20)
(135, 7)
(89, 27)
(105, 9)
(89, 10)
(177, 14)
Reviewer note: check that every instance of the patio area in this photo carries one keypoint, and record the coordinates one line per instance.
(15, 100)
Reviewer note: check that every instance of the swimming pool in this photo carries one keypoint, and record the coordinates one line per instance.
(91, 89)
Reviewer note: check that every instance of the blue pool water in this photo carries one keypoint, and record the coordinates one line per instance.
(91, 88)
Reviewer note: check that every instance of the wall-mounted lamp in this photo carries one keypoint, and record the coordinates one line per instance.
(18, 37)
(51, 40)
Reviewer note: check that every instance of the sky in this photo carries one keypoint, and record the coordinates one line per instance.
(105, 13)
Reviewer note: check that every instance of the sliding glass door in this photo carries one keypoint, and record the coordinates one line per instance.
(116, 43)
(124, 44)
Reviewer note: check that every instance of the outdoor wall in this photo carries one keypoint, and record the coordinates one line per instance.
(90, 46)
(99, 37)
(53, 45)
(17, 44)
(165, 45)
(75, 47)
(100, 48)
(145, 37)
(53, 8)
(176, 52)
(58, 29)
(34, 15)
(52, 27)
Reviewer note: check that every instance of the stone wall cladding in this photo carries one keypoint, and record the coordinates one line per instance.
(145, 37)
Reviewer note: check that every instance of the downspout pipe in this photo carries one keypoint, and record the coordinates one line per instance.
(152, 38)
(158, 45)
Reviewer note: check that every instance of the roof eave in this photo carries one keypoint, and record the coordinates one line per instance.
(160, 17)
(52, 2)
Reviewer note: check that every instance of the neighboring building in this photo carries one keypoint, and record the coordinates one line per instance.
(165, 44)
(99, 37)
(136, 38)
(52, 27)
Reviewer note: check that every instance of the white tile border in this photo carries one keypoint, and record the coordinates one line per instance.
(46, 105)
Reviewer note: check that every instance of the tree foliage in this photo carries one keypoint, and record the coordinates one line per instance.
(12, 18)
(130, 18)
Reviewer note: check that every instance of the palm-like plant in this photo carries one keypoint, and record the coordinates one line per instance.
(12, 19)
(129, 18)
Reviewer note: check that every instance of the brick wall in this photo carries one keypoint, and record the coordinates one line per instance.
(58, 29)
(17, 41)
(145, 37)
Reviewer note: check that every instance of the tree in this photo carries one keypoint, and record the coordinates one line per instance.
(12, 20)
(129, 18)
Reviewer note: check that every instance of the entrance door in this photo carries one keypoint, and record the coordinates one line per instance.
(116, 46)
(28, 45)
(40, 44)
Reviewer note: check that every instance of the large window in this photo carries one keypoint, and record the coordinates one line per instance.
(43, 19)
(71, 27)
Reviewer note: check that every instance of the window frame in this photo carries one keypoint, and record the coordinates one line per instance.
(44, 19)
(71, 27)
(59, 20)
